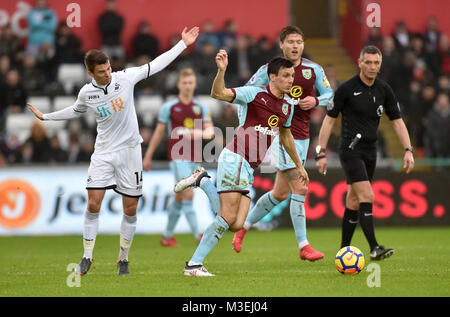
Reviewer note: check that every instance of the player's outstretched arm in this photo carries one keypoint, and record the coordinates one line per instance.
(36, 111)
(190, 36)
(218, 90)
(287, 140)
(402, 133)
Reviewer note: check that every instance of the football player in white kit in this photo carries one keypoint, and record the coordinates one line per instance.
(117, 160)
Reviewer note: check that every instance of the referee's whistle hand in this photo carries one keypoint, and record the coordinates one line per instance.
(408, 162)
(322, 166)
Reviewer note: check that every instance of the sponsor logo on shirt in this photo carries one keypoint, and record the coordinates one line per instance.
(188, 123)
(265, 130)
(296, 91)
(92, 97)
(116, 104)
(273, 121)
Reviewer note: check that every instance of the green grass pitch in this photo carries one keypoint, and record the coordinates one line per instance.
(268, 266)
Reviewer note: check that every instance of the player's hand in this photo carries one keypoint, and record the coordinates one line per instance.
(222, 60)
(147, 163)
(408, 161)
(322, 166)
(190, 36)
(307, 103)
(36, 111)
(303, 175)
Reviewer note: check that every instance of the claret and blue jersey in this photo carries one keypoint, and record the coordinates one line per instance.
(308, 76)
(261, 114)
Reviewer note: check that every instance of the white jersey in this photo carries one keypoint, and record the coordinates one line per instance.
(113, 104)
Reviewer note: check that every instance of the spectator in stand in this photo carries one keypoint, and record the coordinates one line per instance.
(207, 36)
(86, 148)
(432, 34)
(239, 64)
(11, 149)
(145, 43)
(426, 103)
(427, 61)
(40, 144)
(13, 97)
(57, 153)
(444, 54)
(42, 22)
(391, 59)
(444, 84)
(9, 42)
(375, 38)
(67, 46)
(437, 123)
(205, 66)
(401, 36)
(111, 25)
(5, 65)
(35, 79)
(262, 54)
(330, 72)
(228, 36)
(403, 75)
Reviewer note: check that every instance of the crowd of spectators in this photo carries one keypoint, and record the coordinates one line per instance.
(417, 66)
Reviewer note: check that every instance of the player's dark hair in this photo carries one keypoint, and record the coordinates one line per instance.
(290, 29)
(370, 49)
(94, 57)
(276, 63)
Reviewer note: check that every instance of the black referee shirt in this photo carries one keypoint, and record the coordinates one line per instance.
(361, 107)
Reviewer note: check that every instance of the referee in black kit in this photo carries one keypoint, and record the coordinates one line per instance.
(362, 101)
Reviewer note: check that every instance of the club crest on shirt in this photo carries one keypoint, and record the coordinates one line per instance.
(196, 110)
(306, 73)
(285, 108)
(380, 110)
(116, 86)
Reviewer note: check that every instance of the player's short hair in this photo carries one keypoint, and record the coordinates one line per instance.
(290, 29)
(370, 49)
(94, 57)
(276, 63)
(185, 72)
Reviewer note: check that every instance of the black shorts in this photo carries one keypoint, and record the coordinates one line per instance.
(358, 164)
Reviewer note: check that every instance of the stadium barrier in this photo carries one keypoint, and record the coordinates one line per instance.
(52, 200)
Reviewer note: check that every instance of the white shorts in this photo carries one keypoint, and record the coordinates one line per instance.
(120, 170)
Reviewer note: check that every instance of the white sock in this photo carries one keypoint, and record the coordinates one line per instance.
(302, 244)
(90, 230)
(127, 230)
(247, 225)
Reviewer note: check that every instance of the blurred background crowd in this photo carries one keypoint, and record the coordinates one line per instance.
(50, 63)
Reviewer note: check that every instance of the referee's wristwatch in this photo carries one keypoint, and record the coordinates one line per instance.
(319, 150)
(410, 148)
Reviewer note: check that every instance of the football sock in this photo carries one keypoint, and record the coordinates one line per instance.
(211, 237)
(211, 191)
(349, 222)
(191, 217)
(262, 207)
(366, 222)
(173, 214)
(127, 230)
(90, 230)
(298, 217)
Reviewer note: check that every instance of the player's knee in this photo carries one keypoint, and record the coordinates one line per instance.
(94, 206)
(280, 195)
(366, 197)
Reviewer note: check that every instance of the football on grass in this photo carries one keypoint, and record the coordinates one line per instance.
(349, 260)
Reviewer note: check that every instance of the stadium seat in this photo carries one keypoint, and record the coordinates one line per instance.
(147, 108)
(43, 103)
(214, 106)
(61, 102)
(70, 75)
(20, 124)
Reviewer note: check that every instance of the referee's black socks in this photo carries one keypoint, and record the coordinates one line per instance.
(366, 221)
(349, 222)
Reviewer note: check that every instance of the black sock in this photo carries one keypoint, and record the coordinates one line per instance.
(366, 221)
(349, 222)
